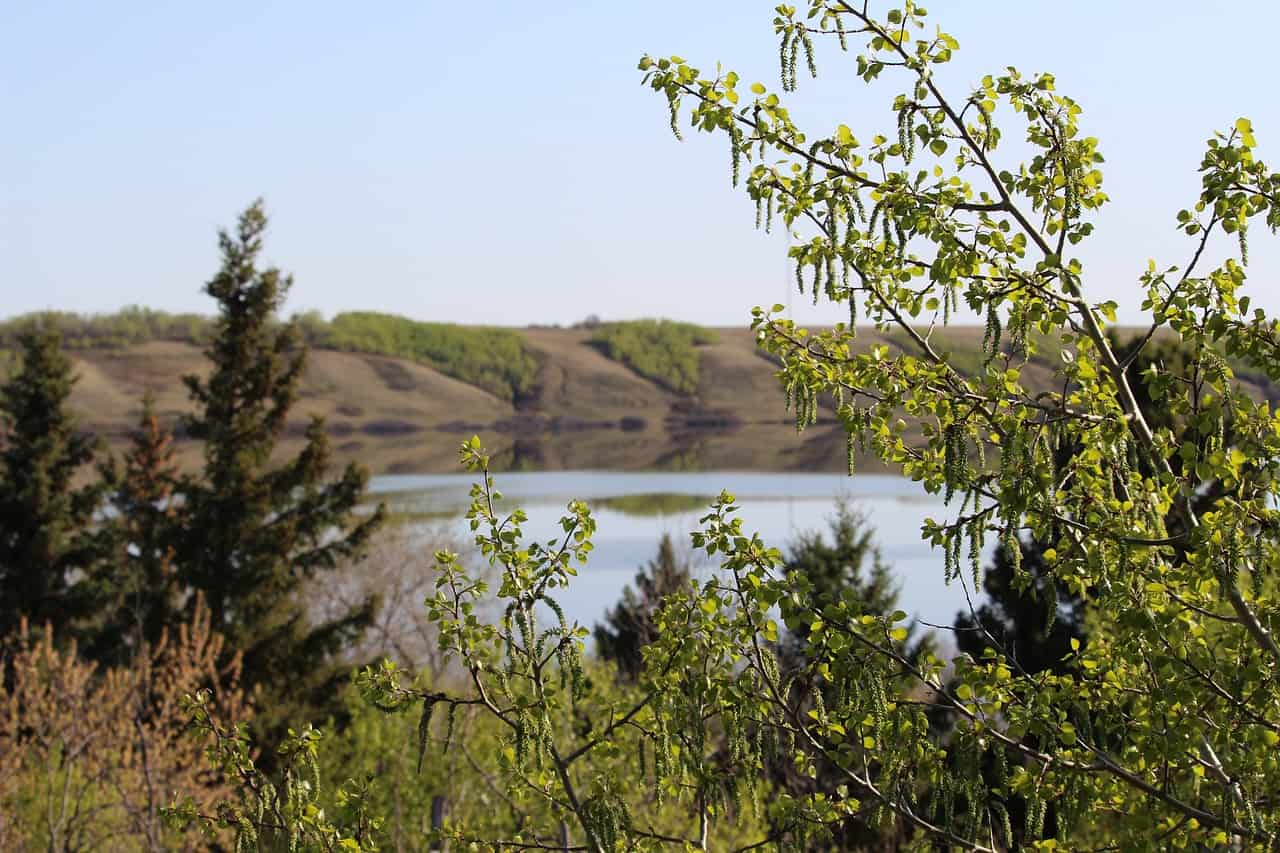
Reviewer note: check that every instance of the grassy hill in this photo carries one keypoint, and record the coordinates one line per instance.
(399, 395)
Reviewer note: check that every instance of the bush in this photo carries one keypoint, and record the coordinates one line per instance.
(88, 758)
(125, 328)
(662, 350)
(494, 359)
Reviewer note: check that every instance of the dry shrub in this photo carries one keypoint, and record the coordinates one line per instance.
(89, 757)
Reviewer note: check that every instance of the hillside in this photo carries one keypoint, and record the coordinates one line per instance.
(573, 406)
(583, 410)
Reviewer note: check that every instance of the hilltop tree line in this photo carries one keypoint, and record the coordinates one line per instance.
(496, 359)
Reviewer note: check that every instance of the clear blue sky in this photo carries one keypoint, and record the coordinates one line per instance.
(500, 163)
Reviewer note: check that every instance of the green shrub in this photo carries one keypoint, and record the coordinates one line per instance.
(662, 350)
(127, 327)
(494, 359)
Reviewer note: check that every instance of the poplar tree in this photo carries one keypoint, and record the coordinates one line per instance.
(46, 539)
(252, 532)
(1164, 733)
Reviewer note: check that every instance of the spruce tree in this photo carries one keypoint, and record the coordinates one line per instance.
(47, 541)
(844, 563)
(841, 567)
(140, 579)
(254, 533)
(629, 625)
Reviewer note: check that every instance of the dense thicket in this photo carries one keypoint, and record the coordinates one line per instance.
(91, 755)
(662, 350)
(494, 359)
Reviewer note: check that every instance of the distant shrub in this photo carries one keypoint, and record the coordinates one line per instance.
(655, 504)
(662, 350)
(494, 359)
(127, 327)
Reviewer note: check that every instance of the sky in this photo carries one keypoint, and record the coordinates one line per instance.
(500, 163)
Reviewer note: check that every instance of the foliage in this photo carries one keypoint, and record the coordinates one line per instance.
(1027, 615)
(653, 504)
(45, 539)
(1032, 615)
(564, 735)
(662, 350)
(251, 534)
(127, 327)
(496, 360)
(629, 625)
(274, 815)
(842, 564)
(1147, 739)
(89, 757)
(462, 762)
(137, 583)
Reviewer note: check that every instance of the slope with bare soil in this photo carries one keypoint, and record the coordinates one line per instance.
(583, 411)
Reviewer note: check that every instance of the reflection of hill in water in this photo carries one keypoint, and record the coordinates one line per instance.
(635, 509)
(581, 412)
(654, 504)
(418, 506)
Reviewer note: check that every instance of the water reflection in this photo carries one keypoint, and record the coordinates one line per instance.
(634, 509)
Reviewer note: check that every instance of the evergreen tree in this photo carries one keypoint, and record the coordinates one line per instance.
(1028, 615)
(252, 534)
(140, 580)
(844, 564)
(629, 625)
(47, 543)
(837, 568)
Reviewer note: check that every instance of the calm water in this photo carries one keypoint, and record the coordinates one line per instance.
(633, 510)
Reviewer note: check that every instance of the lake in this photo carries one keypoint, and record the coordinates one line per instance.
(634, 509)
